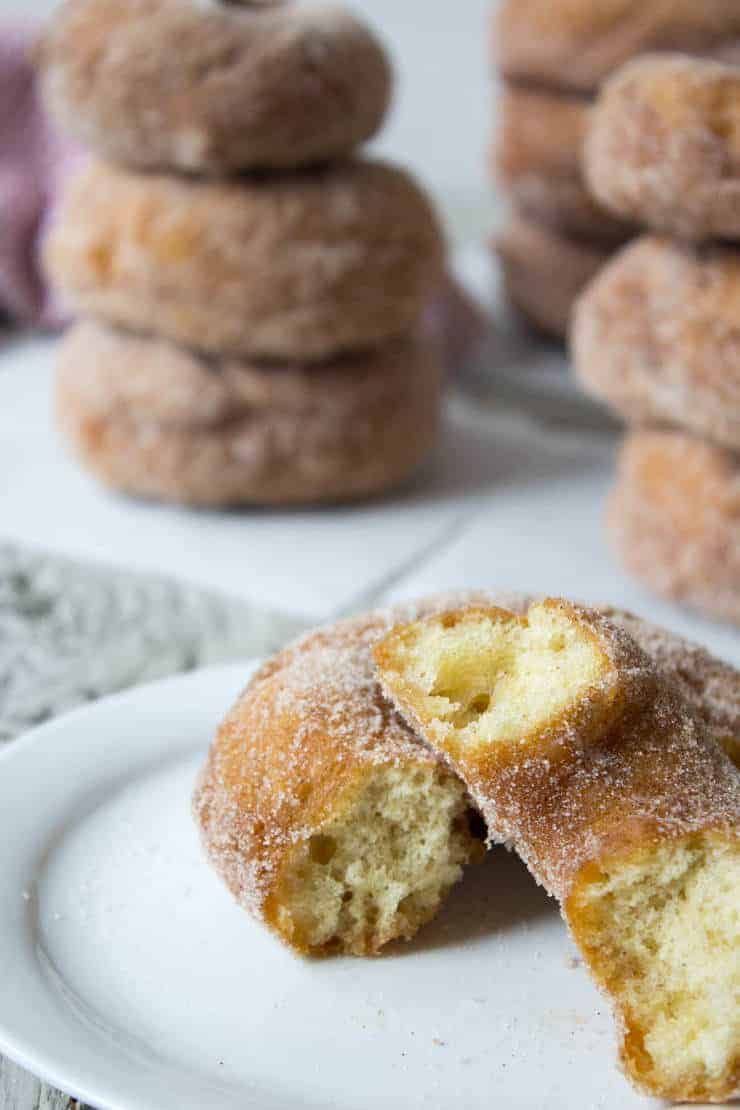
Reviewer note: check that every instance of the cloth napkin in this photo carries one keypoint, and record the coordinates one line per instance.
(34, 160)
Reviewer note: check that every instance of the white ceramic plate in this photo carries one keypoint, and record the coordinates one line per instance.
(129, 978)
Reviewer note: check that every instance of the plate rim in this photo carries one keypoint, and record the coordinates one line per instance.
(39, 1058)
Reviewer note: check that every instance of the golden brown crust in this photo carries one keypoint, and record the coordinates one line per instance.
(657, 336)
(674, 518)
(171, 83)
(663, 147)
(536, 157)
(155, 420)
(299, 267)
(544, 272)
(298, 742)
(575, 44)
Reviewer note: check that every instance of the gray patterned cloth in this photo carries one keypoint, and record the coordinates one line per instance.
(72, 632)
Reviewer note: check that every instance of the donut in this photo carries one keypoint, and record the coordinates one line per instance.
(544, 271)
(154, 420)
(674, 519)
(663, 148)
(709, 686)
(171, 84)
(657, 337)
(297, 267)
(575, 44)
(313, 723)
(536, 158)
(582, 757)
(320, 810)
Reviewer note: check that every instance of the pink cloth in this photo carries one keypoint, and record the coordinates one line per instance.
(456, 323)
(33, 161)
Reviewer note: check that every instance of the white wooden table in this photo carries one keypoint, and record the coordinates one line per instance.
(507, 502)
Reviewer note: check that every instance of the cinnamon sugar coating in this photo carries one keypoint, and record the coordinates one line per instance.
(656, 336)
(305, 737)
(674, 519)
(663, 147)
(575, 44)
(545, 271)
(709, 686)
(299, 267)
(155, 420)
(160, 84)
(536, 158)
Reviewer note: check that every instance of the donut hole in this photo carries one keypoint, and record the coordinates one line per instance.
(490, 677)
(382, 869)
(322, 849)
(661, 931)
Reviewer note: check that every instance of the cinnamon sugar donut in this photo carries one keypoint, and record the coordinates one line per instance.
(154, 420)
(537, 159)
(575, 44)
(311, 725)
(664, 146)
(581, 756)
(298, 267)
(319, 808)
(657, 336)
(674, 518)
(544, 271)
(160, 84)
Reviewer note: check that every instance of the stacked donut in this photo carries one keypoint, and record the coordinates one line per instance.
(657, 334)
(250, 289)
(554, 55)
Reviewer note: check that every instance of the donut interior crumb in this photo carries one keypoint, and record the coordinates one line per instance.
(487, 677)
(662, 933)
(382, 869)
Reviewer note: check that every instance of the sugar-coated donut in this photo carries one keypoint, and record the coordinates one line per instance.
(314, 723)
(663, 147)
(537, 157)
(319, 808)
(154, 420)
(299, 266)
(657, 336)
(583, 757)
(674, 518)
(160, 84)
(575, 44)
(544, 271)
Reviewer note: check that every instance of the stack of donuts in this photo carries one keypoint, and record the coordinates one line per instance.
(657, 333)
(553, 56)
(249, 288)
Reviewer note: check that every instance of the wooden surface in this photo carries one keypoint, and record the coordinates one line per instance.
(21, 1091)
